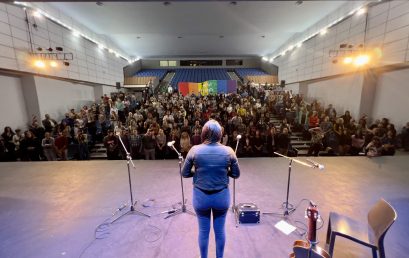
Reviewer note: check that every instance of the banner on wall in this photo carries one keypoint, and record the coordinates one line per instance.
(211, 87)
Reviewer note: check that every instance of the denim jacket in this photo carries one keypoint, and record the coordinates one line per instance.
(213, 163)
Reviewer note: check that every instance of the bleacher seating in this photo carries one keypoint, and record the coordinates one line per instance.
(160, 73)
(199, 75)
(243, 72)
(255, 75)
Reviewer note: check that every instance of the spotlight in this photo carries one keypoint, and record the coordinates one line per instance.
(323, 32)
(40, 49)
(37, 14)
(110, 51)
(299, 44)
(348, 60)
(39, 64)
(66, 63)
(53, 64)
(59, 48)
(50, 49)
(75, 33)
(361, 11)
(116, 54)
(361, 60)
(100, 46)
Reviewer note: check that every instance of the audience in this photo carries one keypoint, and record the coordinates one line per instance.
(146, 125)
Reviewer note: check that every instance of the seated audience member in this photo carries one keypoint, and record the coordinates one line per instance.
(258, 144)
(374, 148)
(344, 142)
(49, 123)
(30, 147)
(316, 141)
(37, 130)
(247, 147)
(61, 146)
(357, 143)
(124, 134)
(10, 147)
(48, 147)
(389, 144)
(283, 142)
(313, 120)
(271, 141)
(16, 141)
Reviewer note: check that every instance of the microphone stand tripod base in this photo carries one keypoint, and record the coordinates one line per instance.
(132, 211)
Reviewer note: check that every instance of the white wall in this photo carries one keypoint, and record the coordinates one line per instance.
(344, 93)
(57, 97)
(90, 63)
(293, 87)
(387, 29)
(12, 104)
(392, 97)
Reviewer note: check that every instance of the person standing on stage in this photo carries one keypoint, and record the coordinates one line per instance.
(212, 161)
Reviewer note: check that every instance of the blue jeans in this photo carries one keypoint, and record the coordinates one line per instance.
(205, 204)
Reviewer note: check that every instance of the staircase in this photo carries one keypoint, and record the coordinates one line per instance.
(233, 76)
(297, 140)
(98, 152)
(166, 81)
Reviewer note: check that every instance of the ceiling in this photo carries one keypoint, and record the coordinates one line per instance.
(201, 28)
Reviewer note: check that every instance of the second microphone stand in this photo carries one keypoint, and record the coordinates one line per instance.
(234, 206)
(182, 209)
(132, 207)
(288, 207)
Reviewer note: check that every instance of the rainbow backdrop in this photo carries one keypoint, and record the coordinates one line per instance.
(210, 87)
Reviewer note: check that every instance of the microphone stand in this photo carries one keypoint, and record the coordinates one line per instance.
(174, 212)
(132, 207)
(288, 207)
(234, 206)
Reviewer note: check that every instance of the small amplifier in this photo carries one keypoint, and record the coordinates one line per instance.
(248, 213)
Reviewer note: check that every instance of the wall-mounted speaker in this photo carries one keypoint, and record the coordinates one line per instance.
(282, 83)
(118, 85)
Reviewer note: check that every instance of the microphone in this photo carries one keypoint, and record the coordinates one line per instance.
(316, 165)
(171, 143)
(238, 137)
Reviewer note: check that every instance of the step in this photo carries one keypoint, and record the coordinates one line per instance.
(98, 155)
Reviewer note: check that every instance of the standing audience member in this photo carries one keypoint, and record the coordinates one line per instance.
(161, 145)
(111, 144)
(283, 142)
(185, 144)
(136, 144)
(49, 123)
(149, 145)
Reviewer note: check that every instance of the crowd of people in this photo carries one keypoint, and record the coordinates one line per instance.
(145, 124)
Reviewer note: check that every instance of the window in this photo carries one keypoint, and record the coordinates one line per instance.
(234, 62)
(172, 63)
(164, 63)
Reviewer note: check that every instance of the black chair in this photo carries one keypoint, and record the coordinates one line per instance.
(380, 218)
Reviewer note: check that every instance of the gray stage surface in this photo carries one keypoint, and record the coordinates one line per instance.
(51, 209)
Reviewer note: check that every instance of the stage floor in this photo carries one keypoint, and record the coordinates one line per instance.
(51, 209)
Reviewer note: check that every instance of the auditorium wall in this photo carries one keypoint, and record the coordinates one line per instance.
(154, 63)
(392, 97)
(27, 96)
(386, 27)
(89, 63)
(12, 104)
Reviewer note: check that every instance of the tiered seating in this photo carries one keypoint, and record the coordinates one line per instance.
(144, 76)
(160, 73)
(199, 75)
(256, 75)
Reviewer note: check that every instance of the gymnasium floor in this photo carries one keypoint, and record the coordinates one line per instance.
(52, 209)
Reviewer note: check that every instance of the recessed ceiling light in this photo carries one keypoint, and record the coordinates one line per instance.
(298, 2)
(233, 3)
(221, 36)
(100, 3)
(179, 37)
(138, 37)
(263, 36)
(166, 3)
